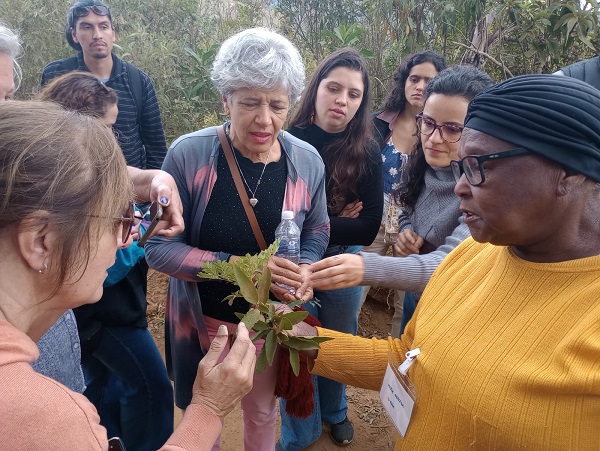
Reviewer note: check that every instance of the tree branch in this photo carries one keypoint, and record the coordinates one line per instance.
(489, 57)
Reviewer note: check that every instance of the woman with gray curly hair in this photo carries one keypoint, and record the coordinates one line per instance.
(10, 71)
(259, 74)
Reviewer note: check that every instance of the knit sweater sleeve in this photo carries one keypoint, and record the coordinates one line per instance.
(404, 221)
(410, 273)
(357, 361)
(198, 430)
(363, 230)
(175, 256)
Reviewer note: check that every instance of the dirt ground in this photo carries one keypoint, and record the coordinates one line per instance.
(372, 429)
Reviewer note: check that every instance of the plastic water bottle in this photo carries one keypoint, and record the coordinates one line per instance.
(289, 246)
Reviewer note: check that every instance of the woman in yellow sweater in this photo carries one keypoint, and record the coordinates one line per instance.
(508, 327)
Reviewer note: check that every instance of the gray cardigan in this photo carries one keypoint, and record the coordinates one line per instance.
(437, 218)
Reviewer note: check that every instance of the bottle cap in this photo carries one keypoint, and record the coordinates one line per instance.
(287, 214)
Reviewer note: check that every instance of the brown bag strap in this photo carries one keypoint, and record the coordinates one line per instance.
(235, 173)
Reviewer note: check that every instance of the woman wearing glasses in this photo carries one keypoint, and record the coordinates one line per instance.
(125, 375)
(396, 135)
(58, 238)
(430, 225)
(431, 211)
(334, 117)
(507, 328)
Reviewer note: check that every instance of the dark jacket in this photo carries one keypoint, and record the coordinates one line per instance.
(143, 142)
(586, 70)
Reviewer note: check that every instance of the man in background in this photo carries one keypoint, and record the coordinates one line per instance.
(139, 129)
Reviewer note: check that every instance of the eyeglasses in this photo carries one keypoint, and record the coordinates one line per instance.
(127, 221)
(449, 132)
(82, 11)
(472, 165)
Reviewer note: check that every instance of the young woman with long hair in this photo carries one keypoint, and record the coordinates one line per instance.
(334, 116)
(430, 207)
(396, 134)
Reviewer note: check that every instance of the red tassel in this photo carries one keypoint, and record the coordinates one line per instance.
(296, 390)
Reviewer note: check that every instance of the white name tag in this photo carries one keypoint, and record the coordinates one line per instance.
(397, 394)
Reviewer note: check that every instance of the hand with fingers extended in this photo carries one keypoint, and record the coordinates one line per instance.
(408, 243)
(339, 271)
(220, 386)
(352, 210)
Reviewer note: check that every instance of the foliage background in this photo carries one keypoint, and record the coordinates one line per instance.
(175, 41)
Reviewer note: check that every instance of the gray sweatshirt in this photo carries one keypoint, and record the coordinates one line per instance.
(438, 220)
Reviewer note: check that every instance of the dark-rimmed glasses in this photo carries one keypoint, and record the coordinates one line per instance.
(126, 222)
(472, 165)
(450, 133)
(82, 11)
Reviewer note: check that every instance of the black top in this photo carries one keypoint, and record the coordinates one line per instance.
(352, 231)
(123, 304)
(225, 226)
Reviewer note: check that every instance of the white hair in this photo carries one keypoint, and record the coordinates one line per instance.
(258, 58)
(10, 45)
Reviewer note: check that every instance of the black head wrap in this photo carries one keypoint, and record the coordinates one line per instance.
(554, 116)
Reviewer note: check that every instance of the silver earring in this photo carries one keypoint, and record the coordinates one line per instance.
(44, 268)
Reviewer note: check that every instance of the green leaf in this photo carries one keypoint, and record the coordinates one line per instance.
(261, 361)
(587, 42)
(294, 304)
(571, 24)
(296, 317)
(247, 288)
(301, 343)
(260, 326)
(264, 285)
(366, 53)
(285, 324)
(270, 346)
(294, 361)
(259, 335)
(251, 318)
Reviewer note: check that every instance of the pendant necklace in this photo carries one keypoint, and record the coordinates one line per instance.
(253, 199)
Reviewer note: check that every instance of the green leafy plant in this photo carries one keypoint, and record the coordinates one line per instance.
(253, 277)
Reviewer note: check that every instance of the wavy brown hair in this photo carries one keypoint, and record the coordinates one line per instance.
(346, 159)
(396, 99)
(456, 81)
(80, 91)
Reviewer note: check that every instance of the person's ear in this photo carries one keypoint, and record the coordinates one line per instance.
(226, 106)
(568, 182)
(36, 240)
(74, 35)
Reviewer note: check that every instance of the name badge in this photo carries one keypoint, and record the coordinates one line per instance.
(398, 394)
